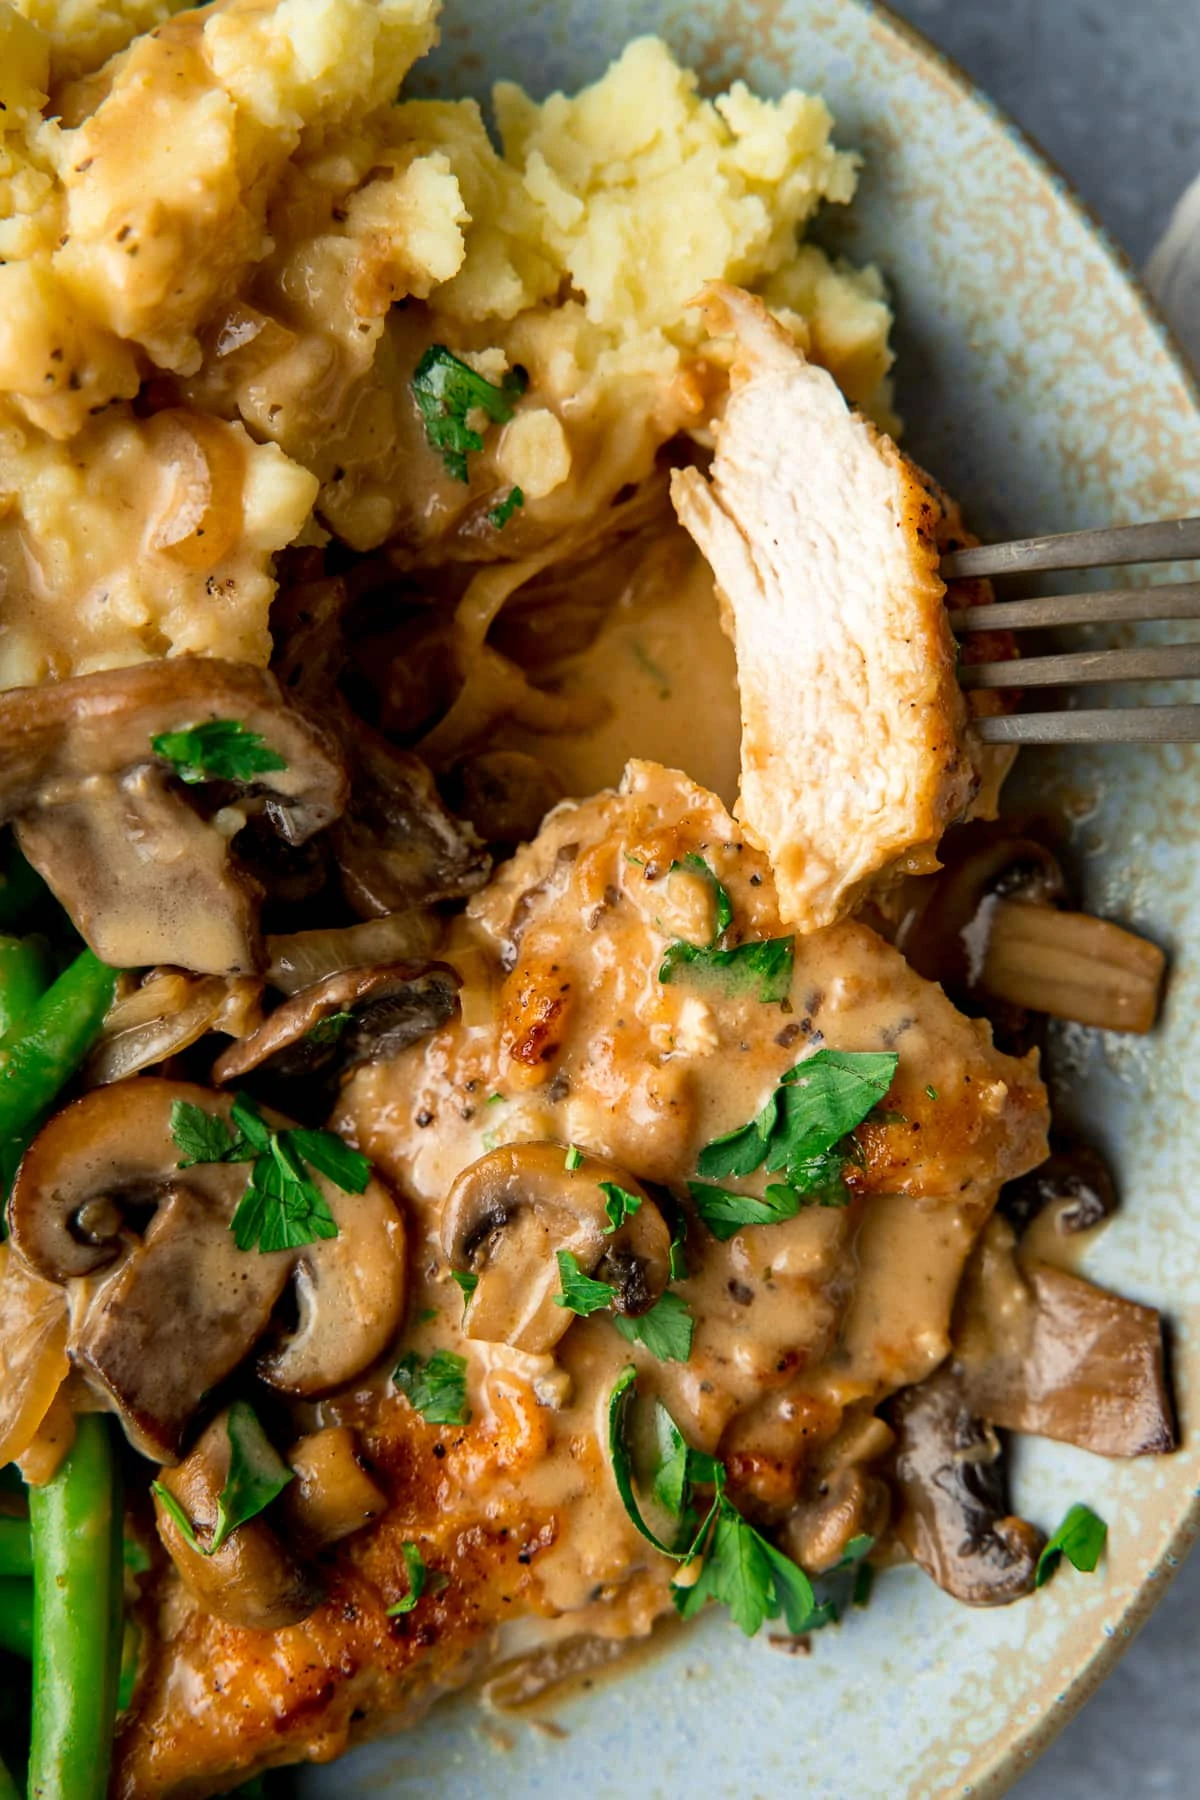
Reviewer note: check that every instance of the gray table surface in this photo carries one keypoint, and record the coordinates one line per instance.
(1108, 88)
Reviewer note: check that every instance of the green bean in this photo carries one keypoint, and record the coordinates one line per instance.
(24, 977)
(8, 1787)
(16, 1558)
(39, 1055)
(16, 1617)
(22, 890)
(76, 1519)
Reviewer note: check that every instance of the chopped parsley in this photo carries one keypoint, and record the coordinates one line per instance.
(221, 750)
(740, 1569)
(619, 1205)
(931, 1093)
(282, 1207)
(725, 1212)
(329, 1029)
(803, 1132)
(500, 514)
(1080, 1538)
(421, 1580)
(257, 1474)
(665, 1329)
(447, 391)
(696, 865)
(468, 1281)
(580, 1294)
(436, 1386)
(573, 1158)
(763, 964)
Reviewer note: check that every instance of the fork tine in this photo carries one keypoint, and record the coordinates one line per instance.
(1168, 540)
(1154, 662)
(1119, 606)
(1104, 725)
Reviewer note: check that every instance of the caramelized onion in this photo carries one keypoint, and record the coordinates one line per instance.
(33, 1352)
(171, 1011)
(302, 958)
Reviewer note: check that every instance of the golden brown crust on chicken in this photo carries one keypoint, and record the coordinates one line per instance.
(823, 539)
(569, 1035)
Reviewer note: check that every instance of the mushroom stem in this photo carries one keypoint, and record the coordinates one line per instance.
(1072, 966)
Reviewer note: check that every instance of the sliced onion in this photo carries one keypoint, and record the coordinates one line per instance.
(304, 957)
(168, 1013)
(33, 1352)
(205, 468)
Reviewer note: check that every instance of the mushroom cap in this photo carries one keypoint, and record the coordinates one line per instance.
(954, 1518)
(332, 1495)
(390, 1007)
(145, 878)
(509, 1214)
(181, 1306)
(253, 1580)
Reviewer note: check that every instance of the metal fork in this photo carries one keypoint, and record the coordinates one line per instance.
(1171, 540)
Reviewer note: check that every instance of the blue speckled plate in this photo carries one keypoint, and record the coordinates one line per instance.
(1037, 384)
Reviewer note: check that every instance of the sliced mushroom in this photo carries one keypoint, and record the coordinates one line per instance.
(349, 1296)
(843, 1496)
(1074, 1181)
(332, 1495)
(144, 876)
(361, 1015)
(510, 1213)
(504, 794)
(397, 846)
(169, 1012)
(950, 1481)
(252, 1580)
(993, 925)
(1044, 1351)
(180, 1306)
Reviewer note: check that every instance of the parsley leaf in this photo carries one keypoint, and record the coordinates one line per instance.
(330, 1156)
(257, 1474)
(446, 391)
(764, 964)
(580, 1294)
(671, 1476)
(282, 1208)
(697, 865)
(573, 1158)
(436, 1387)
(740, 1570)
(329, 1029)
(804, 1129)
(204, 1137)
(468, 1281)
(619, 1402)
(665, 1329)
(619, 1205)
(740, 1152)
(500, 515)
(220, 750)
(725, 1212)
(418, 1579)
(1080, 1538)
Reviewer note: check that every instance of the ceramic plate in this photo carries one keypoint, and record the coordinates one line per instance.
(1038, 386)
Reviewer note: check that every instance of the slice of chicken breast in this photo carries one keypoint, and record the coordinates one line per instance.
(855, 751)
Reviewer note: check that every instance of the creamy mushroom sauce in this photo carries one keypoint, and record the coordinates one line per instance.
(568, 1034)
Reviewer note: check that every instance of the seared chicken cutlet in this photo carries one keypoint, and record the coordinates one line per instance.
(574, 1062)
(820, 533)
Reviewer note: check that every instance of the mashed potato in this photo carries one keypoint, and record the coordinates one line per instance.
(232, 221)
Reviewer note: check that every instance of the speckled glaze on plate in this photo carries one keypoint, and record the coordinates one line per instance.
(1039, 387)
